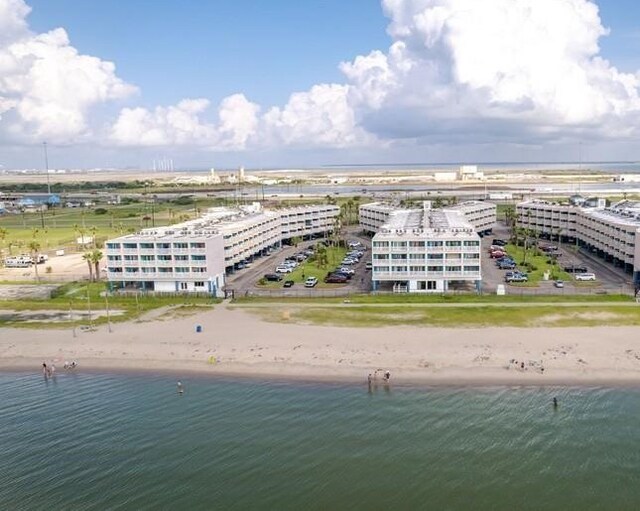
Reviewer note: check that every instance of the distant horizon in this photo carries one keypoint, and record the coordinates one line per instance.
(345, 166)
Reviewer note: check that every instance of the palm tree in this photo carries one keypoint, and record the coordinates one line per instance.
(94, 231)
(321, 256)
(3, 235)
(34, 248)
(87, 257)
(95, 256)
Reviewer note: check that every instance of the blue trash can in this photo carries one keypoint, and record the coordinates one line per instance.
(198, 328)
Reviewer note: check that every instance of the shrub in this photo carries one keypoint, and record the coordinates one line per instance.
(100, 211)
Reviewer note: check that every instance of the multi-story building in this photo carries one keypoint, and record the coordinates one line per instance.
(611, 232)
(195, 256)
(481, 215)
(425, 250)
(167, 260)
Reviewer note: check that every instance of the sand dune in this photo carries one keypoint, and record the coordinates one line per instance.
(243, 344)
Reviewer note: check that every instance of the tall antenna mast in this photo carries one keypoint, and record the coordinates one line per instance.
(46, 166)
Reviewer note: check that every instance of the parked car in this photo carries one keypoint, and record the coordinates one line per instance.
(273, 277)
(497, 254)
(559, 283)
(310, 282)
(368, 266)
(507, 265)
(517, 277)
(498, 242)
(346, 270)
(284, 269)
(585, 276)
(344, 274)
(349, 261)
(288, 283)
(576, 269)
(333, 278)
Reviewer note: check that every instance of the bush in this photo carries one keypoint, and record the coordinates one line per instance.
(100, 211)
(183, 200)
(262, 282)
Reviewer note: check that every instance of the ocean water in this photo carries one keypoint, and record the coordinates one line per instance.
(113, 441)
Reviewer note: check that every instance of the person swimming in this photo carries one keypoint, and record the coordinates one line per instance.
(555, 402)
(180, 388)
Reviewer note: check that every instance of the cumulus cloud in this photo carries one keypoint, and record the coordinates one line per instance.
(182, 124)
(529, 65)
(456, 71)
(47, 87)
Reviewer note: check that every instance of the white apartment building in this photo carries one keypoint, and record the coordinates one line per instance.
(613, 233)
(481, 215)
(425, 251)
(195, 256)
(167, 260)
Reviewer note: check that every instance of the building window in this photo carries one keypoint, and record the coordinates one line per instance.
(180, 245)
(197, 245)
(163, 245)
(181, 257)
(146, 245)
(198, 284)
(398, 244)
(453, 243)
(181, 269)
(432, 285)
(198, 258)
(473, 243)
(183, 286)
(398, 256)
(381, 256)
(113, 245)
(432, 244)
(130, 245)
(416, 244)
(417, 269)
(472, 256)
(435, 269)
(435, 256)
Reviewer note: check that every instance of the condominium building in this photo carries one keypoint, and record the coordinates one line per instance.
(167, 260)
(425, 250)
(611, 232)
(481, 215)
(195, 256)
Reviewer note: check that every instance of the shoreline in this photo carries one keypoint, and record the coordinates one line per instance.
(447, 380)
(247, 347)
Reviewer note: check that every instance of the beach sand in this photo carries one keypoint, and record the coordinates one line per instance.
(242, 344)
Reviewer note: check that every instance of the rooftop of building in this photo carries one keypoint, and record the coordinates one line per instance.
(427, 222)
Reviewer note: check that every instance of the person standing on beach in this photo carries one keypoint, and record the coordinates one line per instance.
(44, 368)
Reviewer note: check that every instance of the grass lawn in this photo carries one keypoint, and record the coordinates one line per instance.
(537, 316)
(438, 299)
(310, 268)
(74, 295)
(539, 261)
(62, 226)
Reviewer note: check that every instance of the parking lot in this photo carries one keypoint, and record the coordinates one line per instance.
(245, 281)
(608, 278)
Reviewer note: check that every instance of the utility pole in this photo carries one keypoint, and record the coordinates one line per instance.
(106, 301)
(46, 167)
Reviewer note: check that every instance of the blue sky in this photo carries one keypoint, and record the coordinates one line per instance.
(174, 49)
(210, 83)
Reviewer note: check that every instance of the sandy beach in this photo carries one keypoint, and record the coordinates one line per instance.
(235, 342)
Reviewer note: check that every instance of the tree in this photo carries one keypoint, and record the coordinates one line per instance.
(87, 257)
(34, 249)
(95, 257)
(321, 256)
(3, 235)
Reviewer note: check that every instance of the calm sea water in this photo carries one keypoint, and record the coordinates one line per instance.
(101, 442)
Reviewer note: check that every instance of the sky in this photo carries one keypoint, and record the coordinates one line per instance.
(322, 82)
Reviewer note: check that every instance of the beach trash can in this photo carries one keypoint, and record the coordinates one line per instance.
(198, 328)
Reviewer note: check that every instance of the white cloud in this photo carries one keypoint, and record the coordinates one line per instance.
(320, 117)
(182, 124)
(530, 65)
(457, 71)
(47, 87)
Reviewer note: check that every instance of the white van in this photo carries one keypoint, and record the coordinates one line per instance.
(585, 276)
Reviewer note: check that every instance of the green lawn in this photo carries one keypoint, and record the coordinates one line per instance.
(539, 261)
(547, 316)
(310, 268)
(62, 226)
(439, 299)
(75, 295)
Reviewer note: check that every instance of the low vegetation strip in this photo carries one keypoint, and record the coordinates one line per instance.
(452, 317)
(441, 299)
